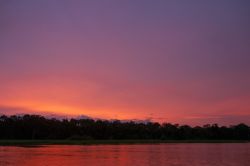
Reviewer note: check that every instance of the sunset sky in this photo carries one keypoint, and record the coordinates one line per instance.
(183, 62)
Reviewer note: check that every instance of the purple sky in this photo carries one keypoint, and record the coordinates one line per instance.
(176, 61)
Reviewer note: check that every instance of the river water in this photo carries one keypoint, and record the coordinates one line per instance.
(196, 154)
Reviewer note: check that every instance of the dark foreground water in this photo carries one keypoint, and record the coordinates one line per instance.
(128, 155)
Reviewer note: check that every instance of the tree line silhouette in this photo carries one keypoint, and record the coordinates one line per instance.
(39, 127)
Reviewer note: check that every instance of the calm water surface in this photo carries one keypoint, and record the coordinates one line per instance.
(128, 155)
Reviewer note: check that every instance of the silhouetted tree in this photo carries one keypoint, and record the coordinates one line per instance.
(39, 127)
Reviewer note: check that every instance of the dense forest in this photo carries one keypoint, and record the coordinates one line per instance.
(39, 127)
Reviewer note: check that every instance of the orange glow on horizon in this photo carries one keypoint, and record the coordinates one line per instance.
(32, 107)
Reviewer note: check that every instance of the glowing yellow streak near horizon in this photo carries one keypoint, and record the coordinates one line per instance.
(39, 107)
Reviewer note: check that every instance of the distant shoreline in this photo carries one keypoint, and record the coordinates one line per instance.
(106, 142)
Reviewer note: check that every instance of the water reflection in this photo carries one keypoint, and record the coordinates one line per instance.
(128, 155)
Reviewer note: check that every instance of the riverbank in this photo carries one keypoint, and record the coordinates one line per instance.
(106, 142)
